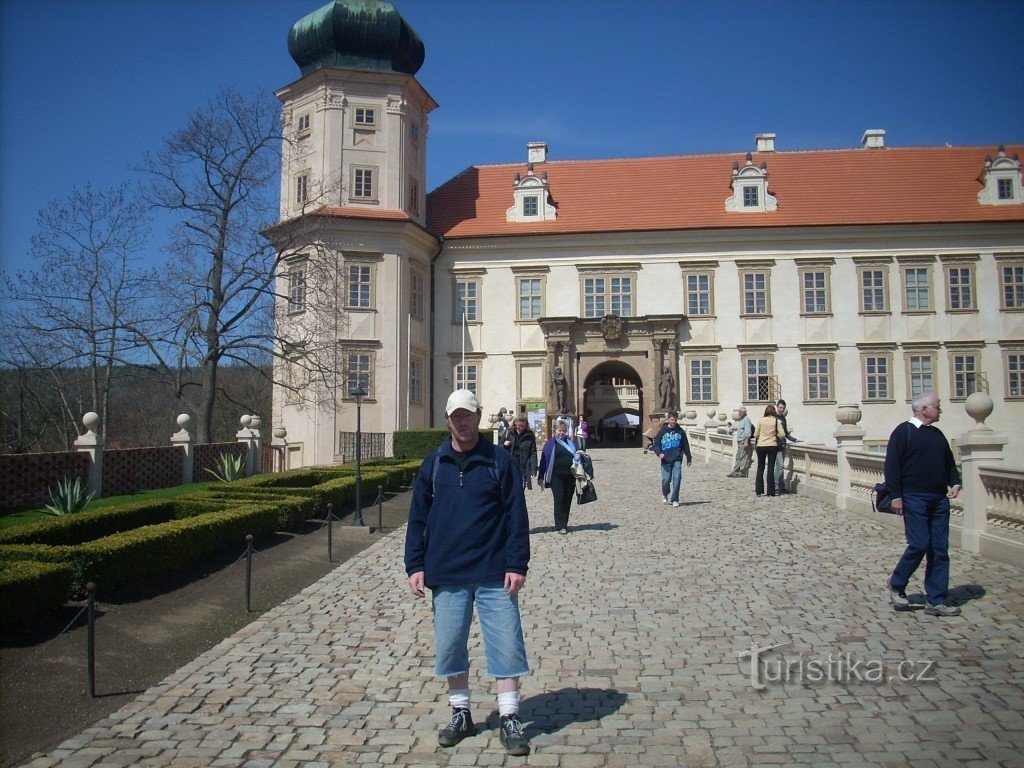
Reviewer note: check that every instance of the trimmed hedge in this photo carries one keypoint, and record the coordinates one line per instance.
(132, 557)
(418, 443)
(95, 524)
(28, 588)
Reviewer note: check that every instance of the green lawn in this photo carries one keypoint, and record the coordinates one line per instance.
(12, 519)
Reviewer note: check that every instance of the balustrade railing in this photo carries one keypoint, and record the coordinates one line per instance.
(987, 517)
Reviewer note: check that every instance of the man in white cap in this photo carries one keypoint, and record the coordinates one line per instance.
(468, 542)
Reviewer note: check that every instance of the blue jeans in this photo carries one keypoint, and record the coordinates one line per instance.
(500, 626)
(926, 523)
(671, 478)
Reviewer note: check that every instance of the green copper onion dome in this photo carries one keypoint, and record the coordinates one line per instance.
(355, 34)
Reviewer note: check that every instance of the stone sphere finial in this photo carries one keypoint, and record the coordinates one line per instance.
(91, 421)
(979, 407)
(183, 420)
(711, 413)
(245, 421)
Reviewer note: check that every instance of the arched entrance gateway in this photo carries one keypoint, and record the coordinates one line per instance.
(623, 370)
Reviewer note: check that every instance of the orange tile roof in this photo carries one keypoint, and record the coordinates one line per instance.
(817, 188)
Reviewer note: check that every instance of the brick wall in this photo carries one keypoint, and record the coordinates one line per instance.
(207, 455)
(130, 470)
(26, 477)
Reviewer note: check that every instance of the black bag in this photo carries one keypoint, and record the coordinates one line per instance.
(881, 499)
(588, 494)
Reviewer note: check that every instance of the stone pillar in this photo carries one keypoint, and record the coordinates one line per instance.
(250, 435)
(188, 456)
(92, 443)
(849, 437)
(709, 426)
(280, 444)
(980, 446)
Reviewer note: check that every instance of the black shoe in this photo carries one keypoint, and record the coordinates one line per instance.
(458, 728)
(511, 735)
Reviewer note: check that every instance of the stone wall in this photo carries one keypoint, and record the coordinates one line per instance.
(25, 478)
(130, 470)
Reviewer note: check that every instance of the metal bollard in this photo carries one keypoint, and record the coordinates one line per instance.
(330, 519)
(380, 508)
(248, 572)
(90, 645)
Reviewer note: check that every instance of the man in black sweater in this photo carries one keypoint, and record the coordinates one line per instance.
(921, 474)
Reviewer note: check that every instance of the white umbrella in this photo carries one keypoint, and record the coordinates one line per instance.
(625, 419)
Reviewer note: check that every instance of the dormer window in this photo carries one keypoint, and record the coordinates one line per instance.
(750, 189)
(1001, 179)
(531, 198)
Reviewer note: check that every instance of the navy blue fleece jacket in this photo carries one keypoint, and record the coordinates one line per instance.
(467, 526)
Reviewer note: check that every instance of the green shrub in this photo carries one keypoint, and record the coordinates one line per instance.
(132, 557)
(418, 443)
(95, 524)
(28, 588)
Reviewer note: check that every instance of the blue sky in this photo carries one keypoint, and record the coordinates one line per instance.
(87, 87)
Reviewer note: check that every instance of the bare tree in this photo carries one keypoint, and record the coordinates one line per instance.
(216, 174)
(68, 315)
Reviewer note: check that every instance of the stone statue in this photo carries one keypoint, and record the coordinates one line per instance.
(666, 390)
(559, 389)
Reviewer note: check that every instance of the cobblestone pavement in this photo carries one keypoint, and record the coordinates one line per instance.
(633, 623)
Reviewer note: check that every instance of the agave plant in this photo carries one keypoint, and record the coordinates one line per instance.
(71, 497)
(229, 467)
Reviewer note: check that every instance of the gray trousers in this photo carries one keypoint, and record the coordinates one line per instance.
(780, 467)
(744, 456)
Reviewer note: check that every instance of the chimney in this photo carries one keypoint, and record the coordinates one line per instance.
(873, 138)
(765, 142)
(536, 152)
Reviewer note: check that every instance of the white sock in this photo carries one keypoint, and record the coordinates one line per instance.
(508, 703)
(458, 698)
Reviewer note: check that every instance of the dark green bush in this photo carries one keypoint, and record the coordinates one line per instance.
(28, 588)
(95, 524)
(418, 443)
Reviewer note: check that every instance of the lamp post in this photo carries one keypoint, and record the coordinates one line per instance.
(357, 393)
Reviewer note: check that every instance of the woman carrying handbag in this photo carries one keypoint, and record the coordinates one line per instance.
(557, 471)
(768, 436)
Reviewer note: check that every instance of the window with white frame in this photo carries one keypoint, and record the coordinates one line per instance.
(531, 297)
(1011, 285)
(916, 290)
(359, 372)
(877, 376)
(873, 290)
(960, 288)
(701, 379)
(416, 380)
(1004, 189)
(531, 205)
(302, 126)
(699, 297)
(297, 287)
(758, 372)
(302, 188)
(963, 371)
(750, 197)
(360, 286)
(364, 116)
(1013, 361)
(755, 293)
(814, 291)
(920, 373)
(364, 183)
(467, 304)
(417, 293)
(468, 376)
(817, 377)
(607, 294)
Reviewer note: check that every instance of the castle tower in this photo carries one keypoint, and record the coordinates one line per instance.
(353, 283)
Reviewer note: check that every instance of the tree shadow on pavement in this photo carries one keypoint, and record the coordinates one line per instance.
(551, 711)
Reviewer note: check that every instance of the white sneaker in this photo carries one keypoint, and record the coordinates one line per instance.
(664, 499)
(675, 503)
